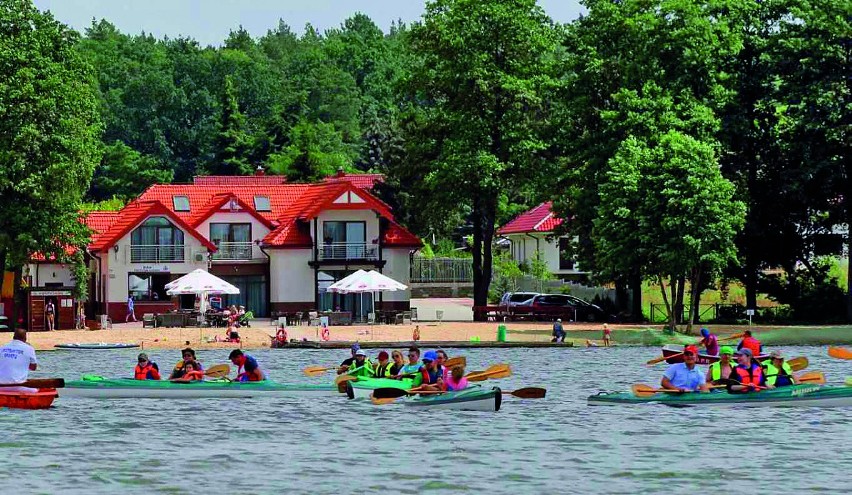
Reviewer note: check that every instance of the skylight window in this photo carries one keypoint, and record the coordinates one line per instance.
(261, 203)
(181, 203)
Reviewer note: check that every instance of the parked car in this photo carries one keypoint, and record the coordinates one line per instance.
(566, 307)
(512, 299)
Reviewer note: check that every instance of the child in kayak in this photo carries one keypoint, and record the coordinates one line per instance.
(180, 367)
(456, 379)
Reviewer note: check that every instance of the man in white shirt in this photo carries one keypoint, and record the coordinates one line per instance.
(17, 359)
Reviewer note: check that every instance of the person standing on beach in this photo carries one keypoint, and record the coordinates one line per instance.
(50, 311)
(130, 309)
(607, 335)
(17, 359)
(558, 331)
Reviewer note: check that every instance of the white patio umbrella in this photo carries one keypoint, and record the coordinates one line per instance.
(363, 282)
(201, 283)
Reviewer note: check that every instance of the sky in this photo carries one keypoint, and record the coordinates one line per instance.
(209, 21)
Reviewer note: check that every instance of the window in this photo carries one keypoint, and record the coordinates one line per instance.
(156, 240)
(344, 232)
(181, 203)
(261, 203)
(566, 260)
(230, 232)
(148, 286)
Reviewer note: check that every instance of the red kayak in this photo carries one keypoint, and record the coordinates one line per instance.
(15, 399)
(676, 353)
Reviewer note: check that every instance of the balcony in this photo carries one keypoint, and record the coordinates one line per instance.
(345, 251)
(233, 251)
(156, 253)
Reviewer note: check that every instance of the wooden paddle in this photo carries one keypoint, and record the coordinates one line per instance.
(218, 371)
(733, 337)
(456, 361)
(317, 370)
(817, 377)
(492, 373)
(839, 353)
(38, 383)
(346, 376)
(663, 358)
(389, 395)
(798, 363)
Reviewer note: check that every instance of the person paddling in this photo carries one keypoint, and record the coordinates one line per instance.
(751, 343)
(382, 368)
(344, 366)
(456, 380)
(412, 366)
(429, 376)
(17, 359)
(778, 372)
(720, 370)
(748, 375)
(685, 376)
(710, 342)
(398, 364)
(361, 366)
(145, 369)
(188, 358)
(248, 369)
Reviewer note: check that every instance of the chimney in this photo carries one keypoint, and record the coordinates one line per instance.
(259, 171)
(340, 172)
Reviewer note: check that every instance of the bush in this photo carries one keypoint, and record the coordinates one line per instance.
(813, 296)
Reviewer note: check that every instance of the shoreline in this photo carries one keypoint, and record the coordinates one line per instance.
(433, 334)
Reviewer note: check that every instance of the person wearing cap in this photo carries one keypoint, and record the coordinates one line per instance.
(361, 366)
(248, 369)
(145, 369)
(344, 366)
(382, 368)
(710, 342)
(720, 370)
(188, 358)
(778, 372)
(558, 331)
(685, 376)
(748, 375)
(430, 377)
(751, 343)
(413, 365)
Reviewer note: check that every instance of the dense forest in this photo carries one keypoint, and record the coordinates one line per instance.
(685, 141)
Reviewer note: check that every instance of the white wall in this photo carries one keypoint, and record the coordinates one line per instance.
(524, 247)
(292, 280)
(51, 273)
(258, 230)
(368, 216)
(397, 268)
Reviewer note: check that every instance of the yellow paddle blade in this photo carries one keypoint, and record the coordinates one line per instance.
(316, 370)
(663, 358)
(812, 377)
(382, 402)
(839, 353)
(798, 363)
(344, 378)
(494, 372)
(218, 371)
(456, 361)
(733, 337)
(642, 390)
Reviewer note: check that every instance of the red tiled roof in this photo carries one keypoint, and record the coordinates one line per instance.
(397, 236)
(238, 180)
(538, 219)
(100, 222)
(136, 212)
(218, 201)
(362, 181)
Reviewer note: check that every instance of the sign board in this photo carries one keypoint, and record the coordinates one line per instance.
(749, 312)
(153, 269)
(51, 292)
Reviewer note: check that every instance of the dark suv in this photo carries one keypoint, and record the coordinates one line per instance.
(565, 307)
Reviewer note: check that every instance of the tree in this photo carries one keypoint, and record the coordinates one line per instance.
(125, 173)
(232, 143)
(482, 83)
(49, 137)
(314, 153)
(665, 207)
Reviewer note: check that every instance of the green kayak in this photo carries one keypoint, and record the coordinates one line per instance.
(363, 387)
(474, 398)
(96, 387)
(793, 396)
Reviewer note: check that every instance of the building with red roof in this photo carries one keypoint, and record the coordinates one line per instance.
(534, 230)
(282, 244)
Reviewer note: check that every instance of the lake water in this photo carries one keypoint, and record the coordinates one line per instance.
(331, 445)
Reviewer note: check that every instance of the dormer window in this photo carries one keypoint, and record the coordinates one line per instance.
(181, 203)
(261, 203)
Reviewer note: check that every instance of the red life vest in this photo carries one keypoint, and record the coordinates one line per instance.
(141, 373)
(753, 344)
(193, 375)
(753, 378)
(281, 335)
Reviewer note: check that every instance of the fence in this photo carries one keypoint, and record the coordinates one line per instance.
(426, 270)
(721, 313)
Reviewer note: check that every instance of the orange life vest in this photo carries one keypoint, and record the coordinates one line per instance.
(141, 373)
(753, 344)
(281, 335)
(753, 378)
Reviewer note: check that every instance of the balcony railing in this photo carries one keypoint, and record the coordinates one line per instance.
(348, 251)
(156, 253)
(236, 251)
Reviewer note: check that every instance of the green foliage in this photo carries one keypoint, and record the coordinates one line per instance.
(232, 143)
(426, 251)
(112, 204)
(812, 294)
(316, 150)
(507, 276)
(539, 270)
(125, 173)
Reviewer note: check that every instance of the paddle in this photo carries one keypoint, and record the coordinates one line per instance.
(38, 383)
(733, 337)
(317, 370)
(347, 376)
(382, 396)
(817, 377)
(798, 363)
(663, 358)
(456, 361)
(839, 353)
(215, 371)
(494, 372)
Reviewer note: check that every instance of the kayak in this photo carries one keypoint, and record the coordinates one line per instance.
(127, 388)
(97, 346)
(470, 399)
(676, 353)
(363, 387)
(849, 381)
(41, 398)
(792, 396)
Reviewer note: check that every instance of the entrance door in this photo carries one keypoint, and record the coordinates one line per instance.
(356, 236)
(37, 317)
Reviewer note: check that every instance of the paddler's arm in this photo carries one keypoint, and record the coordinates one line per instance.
(666, 384)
